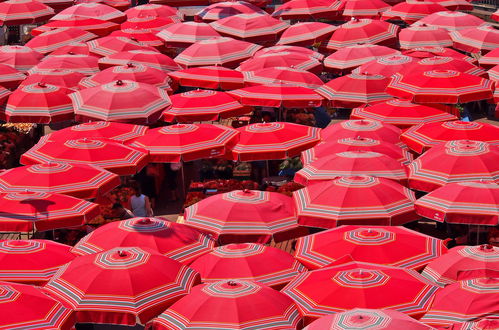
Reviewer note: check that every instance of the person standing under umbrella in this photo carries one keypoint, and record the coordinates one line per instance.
(140, 204)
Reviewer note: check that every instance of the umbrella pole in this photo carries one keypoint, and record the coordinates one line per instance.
(267, 168)
(183, 181)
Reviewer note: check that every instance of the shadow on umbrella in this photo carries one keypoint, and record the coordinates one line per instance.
(40, 206)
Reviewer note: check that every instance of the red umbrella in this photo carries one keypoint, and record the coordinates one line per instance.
(411, 11)
(290, 49)
(93, 25)
(424, 52)
(122, 101)
(32, 261)
(364, 128)
(484, 323)
(452, 20)
(74, 48)
(464, 301)
(143, 284)
(455, 4)
(57, 77)
(223, 51)
(58, 5)
(27, 306)
(203, 105)
(276, 140)
(114, 44)
(386, 66)
(188, 4)
(306, 34)
(495, 16)
(10, 78)
(384, 245)
(100, 130)
(29, 211)
(363, 31)
(248, 262)
(212, 77)
(112, 156)
(494, 74)
(84, 64)
(355, 200)
(353, 90)
(22, 58)
(230, 305)
(121, 5)
(464, 263)
(283, 75)
(225, 9)
(424, 36)
(150, 58)
(54, 39)
(440, 86)
(349, 57)
(184, 34)
(352, 163)
(477, 39)
(146, 39)
(170, 239)
(77, 180)
(360, 285)
(244, 216)
(454, 161)
(308, 10)
(443, 63)
(186, 142)
(17, 12)
(422, 137)
(152, 10)
(148, 24)
(91, 10)
(364, 9)
(282, 59)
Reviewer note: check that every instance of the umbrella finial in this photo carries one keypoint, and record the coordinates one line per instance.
(145, 221)
(130, 65)
(122, 253)
(487, 247)
(42, 85)
(71, 53)
(119, 82)
(232, 283)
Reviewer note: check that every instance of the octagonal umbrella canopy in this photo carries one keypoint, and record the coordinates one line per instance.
(282, 75)
(308, 10)
(80, 48)
(424, 36)
(150, 58)
(173, 240)
(96, 26)
(54, 39)
(152, 10)
(347, 58)
(100, 130)
(17, 12)
(21, 58)
(91, 10)
(489, 322)
(443, 63)
(150, 24)
(10, 77)
(248, 262)
(143, 37)
(144, 283)
(290, 49)
(386, 66)
(110, 45)
(184, 34)
(32, 261)
(225, 9)
(364, 128)
(306, 34)
(57, 77)
(364, 9)
(452, 20)
(83, 64)
(212, 77)
(384, 245)
(464, 263)
(282, 59)
(244, 216)
(477, 39)
(234, 304)
(495, 16)
(412, 10)
(424, 52)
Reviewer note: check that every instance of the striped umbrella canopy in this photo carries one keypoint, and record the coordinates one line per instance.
(10, 77)
(81, 181)
(32, 261)
(412, 10)
(4, 94)
(112, 156)
(494, 75)
(222, 51)
(233, 304)
(143, 37)
(248, 262)
(100, 130)
(464, 263)
(110, 45)
(187, 142)
(355, 89)
(352, 163)
(184, 34)
(455, 4)
(424, 36)
(17, 12)
(495, 16)
(440, 86)
(21, 58)
(96, 26)
(188, 4)
(54, 39)
(452, 20)
(173, 240)
(477, 39)
(276, 140)
(244, 216)
(386, 66)
(282, 59)
(148, 24)
(282, 75)
(364, 318)
(121, 101)
(306, 34)
(327, 148)
(84, 64)
(80, 48)
(484, 323)
(31, 211)
(472, 203)
(363, 31)
(364, 128)
(203, 105)
(150, 58)
(360, 285)
(143, 284)
(91, 10)
(384, 245)
(422, 137)
(424, 52)
(226, 9)
(57, 77)
(464, 301)
(347, 58)
(353, 200)
(443, 63)
(212, 77)
(153, 10)
(364, 9)
(454, 161)
(28, 307)
(291, 49)
(401, 113)
(308, 10)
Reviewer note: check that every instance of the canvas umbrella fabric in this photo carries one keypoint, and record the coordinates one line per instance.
(485, 323)
(27, 306)
(364, 9)
(283, 75)
(352, 163)
(464, 263)
(384, 245)
(112, 156)
(225, 9)
(80, 48)
(233, 304)
(122, 101)
(211, 77)
(4, 93)
(411, 11)
(153, 10)
(144, 283)
(347, 58)
(455, 4)
(150, 58)
(282, 59)
(10, 78)
(424, 36)
(57, 77)
(100, 130)
(81, 181)
(401, 113)
(148, 24)
(443, 63)
(91, 10)
(37, 211)
(173, 240)
(83, 64)
(184, 34)
(187, 142)
(386, 66)
(306, 34)
(96, 26)
(472, 203)
(422, 137)
(290, 49)
(248, 262)
(355, 200)
(425, 52)
(203, 105)
(110, 45)
(308, 10)
(364, 128)
(54, 39)
(17, 12)
(452, 20)
(21, 58)
(477, 39)
(244, 216)
(144, 38)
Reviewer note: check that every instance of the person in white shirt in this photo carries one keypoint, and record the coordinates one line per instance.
(140, 204)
